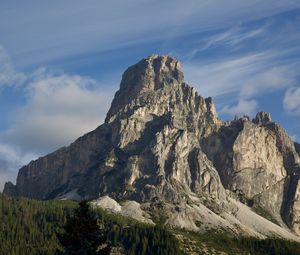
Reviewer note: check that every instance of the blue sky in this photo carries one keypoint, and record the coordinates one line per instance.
(61, 63)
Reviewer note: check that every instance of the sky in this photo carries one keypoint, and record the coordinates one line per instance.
(61, 63)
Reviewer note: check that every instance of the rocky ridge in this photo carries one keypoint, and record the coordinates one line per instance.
(163, 148)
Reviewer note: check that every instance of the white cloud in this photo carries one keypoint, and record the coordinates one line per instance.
(225, 75)
(52, 31)
(291, 101)
(294, 137)
(8, 76)
(59, 109)
(243, 107)
(60, 106)
(246, 77)
(271, 79)
(10, 161)
(231, 74)
(230, 38)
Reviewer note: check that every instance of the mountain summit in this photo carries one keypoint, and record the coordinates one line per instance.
(150, 74)
(164, 151)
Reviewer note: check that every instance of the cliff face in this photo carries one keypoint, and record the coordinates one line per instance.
(161, 141)
(259, 163)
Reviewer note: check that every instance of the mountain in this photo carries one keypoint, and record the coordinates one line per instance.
(163, 155)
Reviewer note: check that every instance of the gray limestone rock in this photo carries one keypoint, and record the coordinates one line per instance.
(262, 118)
(163, 144)
(147, 76)
(258, 162)
(148, 147)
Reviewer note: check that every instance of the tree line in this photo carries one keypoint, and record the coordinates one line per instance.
(36, 227)
(47, 227)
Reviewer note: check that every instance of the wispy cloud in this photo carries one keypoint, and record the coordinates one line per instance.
(291, 101)
(231, 38)
(59, 108)
(226, 75)
(10, 161)
(272, 79)
(247, 77)
(243, 107)
(294, 137)
(8, 76)
(68, 29)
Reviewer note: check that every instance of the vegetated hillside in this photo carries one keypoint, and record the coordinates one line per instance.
(213, 243)
(29, 227)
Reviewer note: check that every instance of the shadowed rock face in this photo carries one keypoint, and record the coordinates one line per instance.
(161, 141)
(297, 147)
(262, 118)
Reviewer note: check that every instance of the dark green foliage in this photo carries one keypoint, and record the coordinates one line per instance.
(154, 240)
(83, 234)
(138, 238)
(29, 226)
(244, 245)
(270, 246)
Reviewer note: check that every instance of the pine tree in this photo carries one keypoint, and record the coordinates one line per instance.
(83, 233)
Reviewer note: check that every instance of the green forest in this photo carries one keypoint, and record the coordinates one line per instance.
(31, 227)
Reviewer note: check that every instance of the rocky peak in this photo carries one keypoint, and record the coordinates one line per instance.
(163, 146)
(150, 74)
(262, 118)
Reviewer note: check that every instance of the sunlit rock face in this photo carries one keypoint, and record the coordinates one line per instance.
(149, 75)
(258, 162)
(162, 141)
